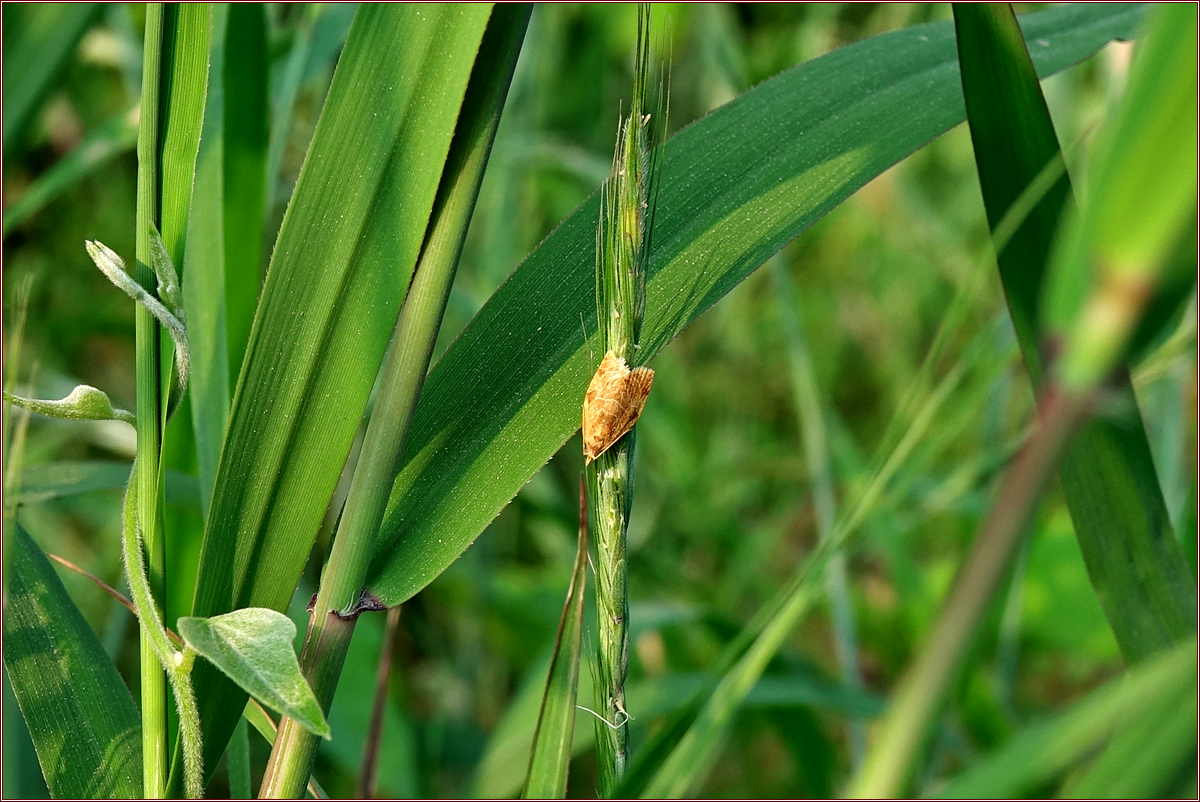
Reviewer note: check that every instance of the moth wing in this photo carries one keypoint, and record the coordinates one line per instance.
(633, 401)
(601, 403)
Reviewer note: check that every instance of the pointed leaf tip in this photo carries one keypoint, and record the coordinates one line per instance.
(253, 646)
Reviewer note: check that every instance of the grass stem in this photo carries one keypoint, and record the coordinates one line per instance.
(622, 252)
(149, 413)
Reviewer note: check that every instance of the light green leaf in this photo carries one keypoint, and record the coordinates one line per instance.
(83, 403)
(345, 253)
(550, 758)
(736, 186)
(1044, 751)
(254, 648)
(1142, 196)
(204, 276)
(83, 721)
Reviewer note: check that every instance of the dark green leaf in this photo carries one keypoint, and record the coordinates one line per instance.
(254, 648)
(245, 164)
(1108, 477)
(83, 721)
(736, 186)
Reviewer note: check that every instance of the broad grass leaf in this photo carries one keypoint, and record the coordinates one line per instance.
(736, 186)
(84, 723)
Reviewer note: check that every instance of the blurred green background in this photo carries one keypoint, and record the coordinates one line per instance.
(724, 502)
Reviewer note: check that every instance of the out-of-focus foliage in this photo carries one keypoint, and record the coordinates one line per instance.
(724, 506)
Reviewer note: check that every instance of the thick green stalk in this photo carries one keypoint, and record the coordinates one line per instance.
(149, 413)
(340, 598)
(622, 251)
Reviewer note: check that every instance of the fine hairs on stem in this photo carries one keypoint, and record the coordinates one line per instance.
(617, 393)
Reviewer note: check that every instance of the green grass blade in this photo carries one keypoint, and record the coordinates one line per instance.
(110, 139)
(550, 757)
(1147, 758)
(1107, 474)
(1014, 141)
(204, 276)
(1044, 751)
(399, 387)
(47, 36)
(736, 187)
(237, 759)
(244, 83)
(174, 84)
(83, 721)
(344, 256)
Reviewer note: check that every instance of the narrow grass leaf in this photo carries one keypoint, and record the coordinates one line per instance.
(736, 186)
(237, 759)
(550, 757)
(1143, 196)
(1045, 751)
(83, 721)
(204, 276)
(1148, 756)
(47, 34)
(244, 180)
(344, 255)
(254, 648)
(1108, 477)
(399, 385)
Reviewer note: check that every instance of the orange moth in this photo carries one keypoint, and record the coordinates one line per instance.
(613, 402)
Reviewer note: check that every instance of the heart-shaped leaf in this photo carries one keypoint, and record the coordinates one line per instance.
(253, 647)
